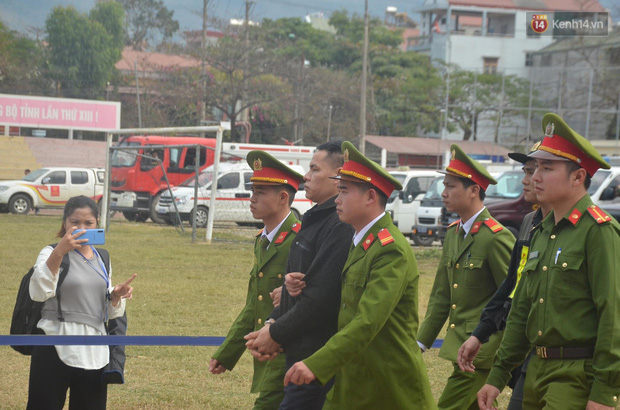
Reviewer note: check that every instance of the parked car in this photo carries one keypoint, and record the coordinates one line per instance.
(233, 197)
(505, 201)
(403, 205)
(428, 217)
(50, 188)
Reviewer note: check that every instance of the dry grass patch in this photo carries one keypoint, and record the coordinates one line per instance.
(181, 289)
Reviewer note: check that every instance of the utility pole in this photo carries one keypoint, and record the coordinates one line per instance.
(203, 68)
(246, 65)
(364, 75)
(135, 67)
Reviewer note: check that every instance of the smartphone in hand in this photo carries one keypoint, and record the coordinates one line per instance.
(94, 236)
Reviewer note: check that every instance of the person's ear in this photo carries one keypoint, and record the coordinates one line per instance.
(579, 176)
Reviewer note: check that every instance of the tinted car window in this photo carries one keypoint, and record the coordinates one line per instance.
(79, 177)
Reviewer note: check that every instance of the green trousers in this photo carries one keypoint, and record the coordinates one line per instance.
(461, 389)
(269, 400)
(557, 384)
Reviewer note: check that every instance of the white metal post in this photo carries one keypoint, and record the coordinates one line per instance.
(216, 166)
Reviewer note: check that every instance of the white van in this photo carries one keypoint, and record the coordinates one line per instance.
(403, 205)
(233, 196)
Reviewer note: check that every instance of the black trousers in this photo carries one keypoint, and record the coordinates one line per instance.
(50, 379)
(306, 396)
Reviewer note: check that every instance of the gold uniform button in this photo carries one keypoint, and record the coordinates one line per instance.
(456, 286)
(545, 269)
(615, 398)
(453, 306)
(260, 297)
(471, 265)
(260, 321)
(279, 276)
(458, 265)
(564, 264)
(452, 326)
(540, 333)
(261, 274)
(542, 300)
(553, 236)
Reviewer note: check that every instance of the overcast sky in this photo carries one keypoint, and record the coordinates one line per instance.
(23, 14)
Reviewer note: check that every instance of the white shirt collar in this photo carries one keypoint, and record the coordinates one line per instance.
(467, 225)
(357, 238)
(272, 234)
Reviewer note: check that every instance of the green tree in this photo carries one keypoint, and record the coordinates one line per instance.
(473, 96)
(82, 53)
(233, 86)
(145, 20)
(22, 62)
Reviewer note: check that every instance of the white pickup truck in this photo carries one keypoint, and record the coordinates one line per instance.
(233, 197)
(50, 187)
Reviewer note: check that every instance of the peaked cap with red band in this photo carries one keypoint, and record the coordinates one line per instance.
(358, 168)
(562, 143)
(463, 166)
(269, 171)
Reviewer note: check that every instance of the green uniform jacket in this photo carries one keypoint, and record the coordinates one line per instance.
(569, 296)
(266, 275)
(374, 355)
(469, 273)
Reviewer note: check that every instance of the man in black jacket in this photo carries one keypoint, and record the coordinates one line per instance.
(304, 322)
(495, 313)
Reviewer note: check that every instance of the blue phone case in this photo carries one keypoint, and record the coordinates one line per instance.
(94, 236)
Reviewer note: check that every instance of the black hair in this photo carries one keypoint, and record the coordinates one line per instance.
(572, 167)
(334, 152)
(364, 187)
(74, 203)
(468, 182)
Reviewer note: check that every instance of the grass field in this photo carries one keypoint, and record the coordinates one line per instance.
(181, 289)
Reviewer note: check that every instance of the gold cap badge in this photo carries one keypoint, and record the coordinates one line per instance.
(549, 130)
(453, 155)
(346, 155)
(258, 164)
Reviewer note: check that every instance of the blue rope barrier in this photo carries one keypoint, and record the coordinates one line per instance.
(45, 340)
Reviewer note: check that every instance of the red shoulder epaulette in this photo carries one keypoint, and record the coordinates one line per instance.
(368, 241)
(296, 227)
(281, 237)
(454, 223)
(260, 232)
(475, 227)
(575, 216)
(598, 214)
(493, 225)
(385, 237)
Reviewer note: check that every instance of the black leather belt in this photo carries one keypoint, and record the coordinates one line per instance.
(564, 352)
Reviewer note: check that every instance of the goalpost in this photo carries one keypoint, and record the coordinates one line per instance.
(218, 129)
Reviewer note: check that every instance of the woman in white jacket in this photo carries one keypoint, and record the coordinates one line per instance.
(88, 301)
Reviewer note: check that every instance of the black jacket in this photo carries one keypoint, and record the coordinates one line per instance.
(495, 313)
(305, 323)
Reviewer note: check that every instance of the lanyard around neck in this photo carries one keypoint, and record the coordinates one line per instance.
(105, 275)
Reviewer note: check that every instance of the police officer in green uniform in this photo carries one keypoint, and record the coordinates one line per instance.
(273, 189)
(474, 263)
(373, 356)
(568, 302)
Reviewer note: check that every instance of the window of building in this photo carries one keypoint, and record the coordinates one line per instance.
(614, 55)
(490, 65)
(529, 59)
